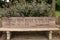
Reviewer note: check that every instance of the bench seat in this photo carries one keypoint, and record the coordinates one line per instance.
(29, 29)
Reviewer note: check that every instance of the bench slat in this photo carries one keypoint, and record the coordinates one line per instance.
(29, 22)
(28, 29)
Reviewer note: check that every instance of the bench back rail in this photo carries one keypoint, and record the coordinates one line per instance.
(28, 22)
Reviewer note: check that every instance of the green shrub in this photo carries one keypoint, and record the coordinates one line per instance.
(26, 9)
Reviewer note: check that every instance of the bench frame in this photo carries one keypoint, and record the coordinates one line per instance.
(49, 35)
(8, 30)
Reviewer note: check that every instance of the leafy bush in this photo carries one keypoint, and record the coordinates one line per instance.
(58, 2)
(26, 9)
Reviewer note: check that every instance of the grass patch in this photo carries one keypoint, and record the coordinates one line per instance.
(57, 13)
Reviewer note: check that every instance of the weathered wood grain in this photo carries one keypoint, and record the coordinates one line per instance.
(28, 22)
(29, 29)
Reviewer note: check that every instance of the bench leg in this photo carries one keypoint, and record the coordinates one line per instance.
(50, 35)
(8, 35)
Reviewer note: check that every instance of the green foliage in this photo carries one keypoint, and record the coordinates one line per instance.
(58, 2)
(57, 13)
(28, 9)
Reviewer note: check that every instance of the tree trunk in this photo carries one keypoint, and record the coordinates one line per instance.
(53, 8)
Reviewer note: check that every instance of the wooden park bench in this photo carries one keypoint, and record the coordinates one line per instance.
(28, 24)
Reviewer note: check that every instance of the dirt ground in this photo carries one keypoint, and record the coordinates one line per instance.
(32, 36)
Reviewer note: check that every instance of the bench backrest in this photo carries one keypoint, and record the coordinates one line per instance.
(28, 22)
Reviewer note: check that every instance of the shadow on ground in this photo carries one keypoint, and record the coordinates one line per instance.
(31, 36)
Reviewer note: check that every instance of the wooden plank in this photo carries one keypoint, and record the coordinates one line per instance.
(29, 29)
(29, 22)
